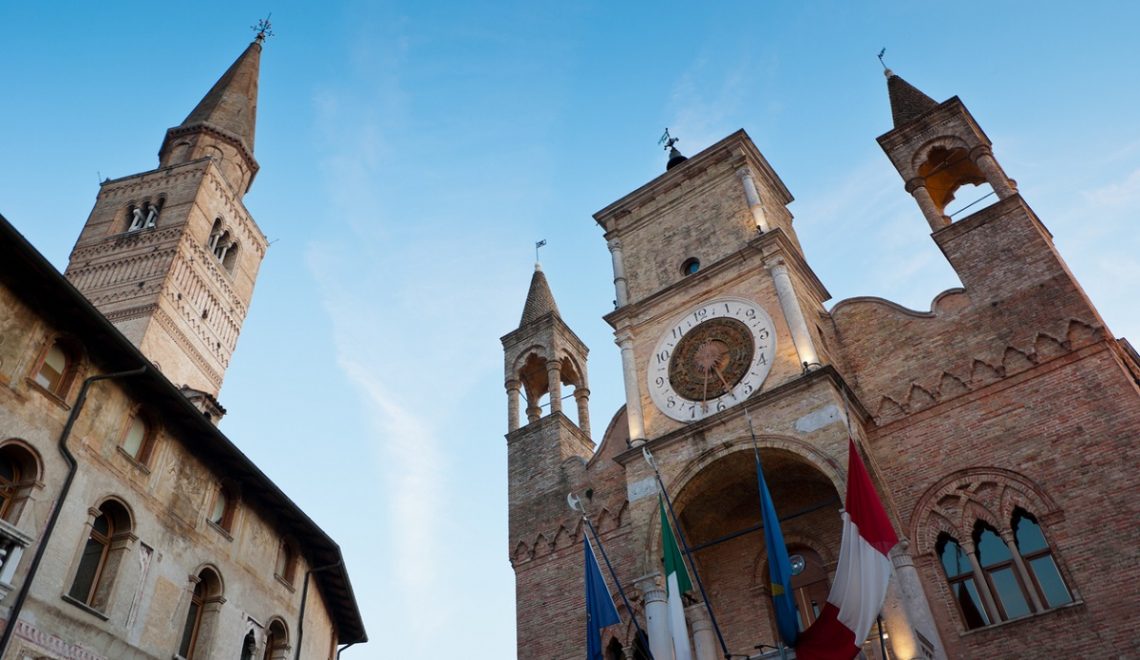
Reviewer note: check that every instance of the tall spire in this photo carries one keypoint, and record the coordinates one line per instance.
(907, 102)
(231, 104)
(222, 125)
(539, 300)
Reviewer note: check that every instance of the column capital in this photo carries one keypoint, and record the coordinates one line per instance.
(581, 393)
(650, 587)
(513, 384)
(914, 184)
(614, 244)
(981, 150)
(744, 172)
(554, 363)
(623, 336)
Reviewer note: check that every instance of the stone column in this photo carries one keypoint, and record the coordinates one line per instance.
(753, 197)
(790, 305)
(621, 287)
(656, 616)
(554, 382)
(632, 392)
(934, 217)
(533, 410)
(704, 637)
(582, 397)
(982, 587)
(1002, 185)
(512, 404)
(906, 584)
(1022, 570)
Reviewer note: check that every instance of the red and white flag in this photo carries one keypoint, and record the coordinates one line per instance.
(861, 577)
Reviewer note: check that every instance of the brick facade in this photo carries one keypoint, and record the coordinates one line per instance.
(1010, 395)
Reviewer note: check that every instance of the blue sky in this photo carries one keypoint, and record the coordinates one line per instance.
(412, 153)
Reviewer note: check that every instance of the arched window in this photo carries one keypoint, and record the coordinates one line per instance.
(56, 369)
(204, 601)
(997, 565)
(222, 512)
(286, 562)
(19, 471)
(138, 439)
(614, 650)
(960, 575)
(1038, 558)
(229, 257)
(108, 537)
(248, 646)
(276, 641)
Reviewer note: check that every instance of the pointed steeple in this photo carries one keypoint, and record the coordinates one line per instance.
(907, 102)
(231, 104)
(222, 125)
(539, 299)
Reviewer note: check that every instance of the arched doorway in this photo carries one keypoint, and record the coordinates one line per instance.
(719, 509)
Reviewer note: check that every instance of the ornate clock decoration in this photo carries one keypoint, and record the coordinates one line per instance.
(711, 358)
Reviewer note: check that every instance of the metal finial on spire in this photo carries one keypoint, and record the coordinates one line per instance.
(537, 245)
(675, 157)
(264, 29)
(886, 70)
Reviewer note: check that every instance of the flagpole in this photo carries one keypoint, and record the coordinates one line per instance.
(613, 575)
(685, 547)
(577, 505)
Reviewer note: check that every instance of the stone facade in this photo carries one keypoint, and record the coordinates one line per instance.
(1005, 411)
(130, 527)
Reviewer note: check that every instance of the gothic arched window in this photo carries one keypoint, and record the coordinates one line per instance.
(19, 471)
(1038, 559)
(1001, 575)
(960, 576)
(276, 641)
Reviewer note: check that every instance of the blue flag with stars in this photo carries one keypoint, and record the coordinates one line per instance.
(779, 566)
(600, 610)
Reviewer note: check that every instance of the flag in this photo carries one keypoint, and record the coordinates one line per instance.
(600, 610)
(779, 566)
(860, 578)
(676, 583)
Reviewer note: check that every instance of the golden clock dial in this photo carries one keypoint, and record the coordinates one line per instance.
(711, 359)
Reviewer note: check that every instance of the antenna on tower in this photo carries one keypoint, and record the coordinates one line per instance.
(264, 29)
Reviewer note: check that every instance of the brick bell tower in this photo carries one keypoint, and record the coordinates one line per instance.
(171, 255)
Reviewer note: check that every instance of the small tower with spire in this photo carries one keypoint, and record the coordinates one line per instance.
(937, 148)
(541, 356)
(171, 255)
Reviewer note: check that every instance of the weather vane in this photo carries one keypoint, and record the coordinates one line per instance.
(264, 29)
(881, 53)
(668, 140)
(537, 245)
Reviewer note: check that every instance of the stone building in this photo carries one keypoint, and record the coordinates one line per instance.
(130, 526)
(999, 427)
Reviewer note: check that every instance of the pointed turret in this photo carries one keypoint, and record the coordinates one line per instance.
(539, 299)
(222, 125)
(907, 101)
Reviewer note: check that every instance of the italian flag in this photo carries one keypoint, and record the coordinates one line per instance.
(676, 583)
(861, 577)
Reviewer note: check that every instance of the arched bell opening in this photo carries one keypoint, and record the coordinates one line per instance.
(541, 380)
(719, 510)
(948, 168)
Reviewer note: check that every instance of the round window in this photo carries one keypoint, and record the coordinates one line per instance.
(690, 266)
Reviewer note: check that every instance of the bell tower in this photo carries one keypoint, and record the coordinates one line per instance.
(938, 148)
(171, 255)
(540, 357)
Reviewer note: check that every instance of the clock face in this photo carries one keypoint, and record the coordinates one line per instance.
(712, 358)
